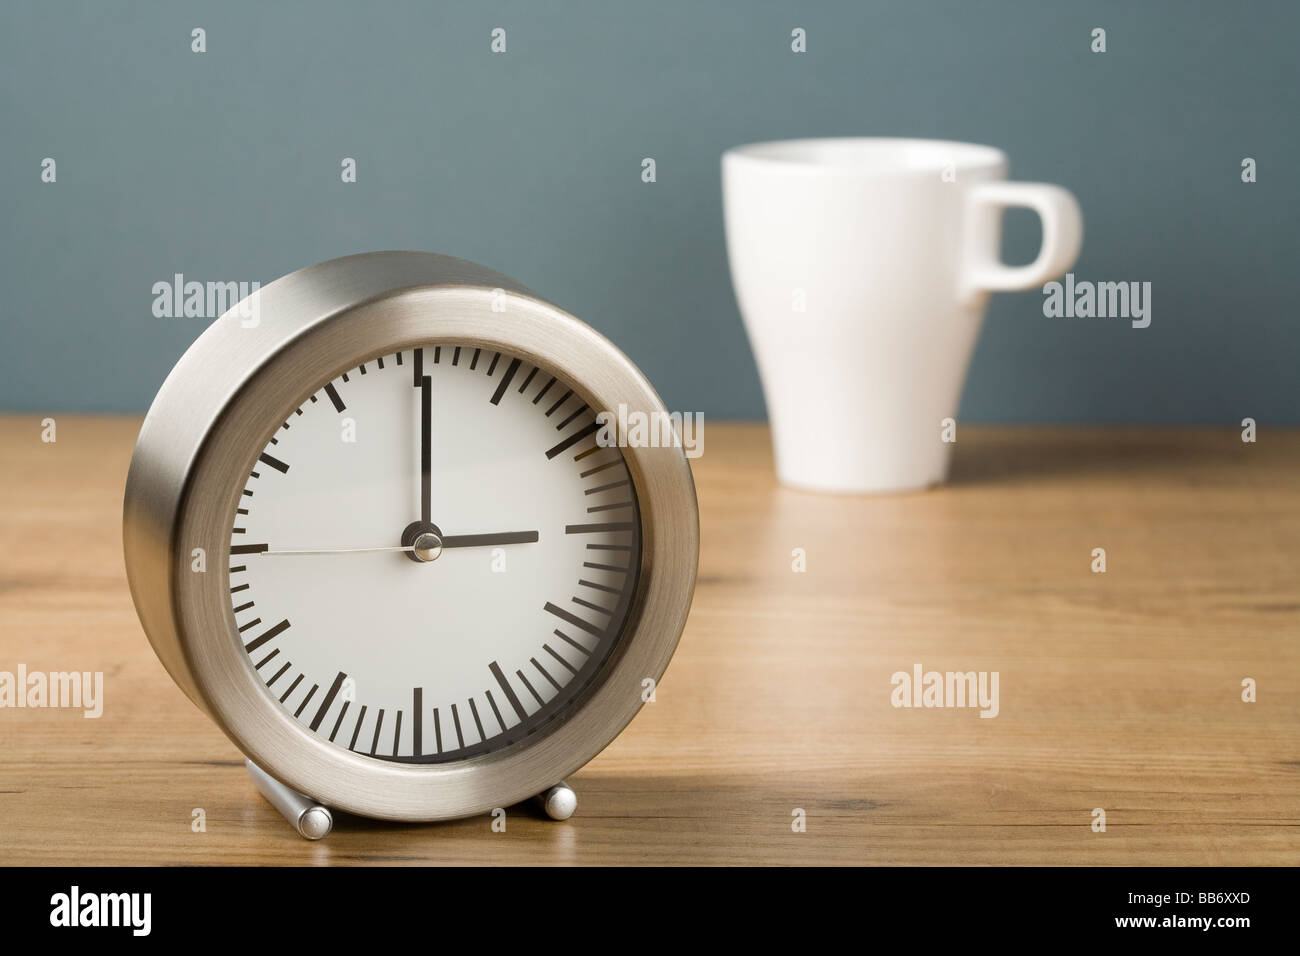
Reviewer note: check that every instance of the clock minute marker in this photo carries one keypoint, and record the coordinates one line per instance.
(562, 399)
(502, 385)
(333, 394)
(573, 619)
(536, 696)
(275, 463)
(473, 709)
(550, 650)
(565, 637)
(495, 668)
(545, 673)
(292, 687)
(257, 642)
(356, 731)
(306, 700)
(330, 694)
(417, 721)
(573, 439)
(460, 737)
(342, 713)
(279, 673)
(572, 415)
(495, 712)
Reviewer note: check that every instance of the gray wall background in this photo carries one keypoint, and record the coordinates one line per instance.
(225, 166)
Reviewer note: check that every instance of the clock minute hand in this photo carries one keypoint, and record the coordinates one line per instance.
(426, 449)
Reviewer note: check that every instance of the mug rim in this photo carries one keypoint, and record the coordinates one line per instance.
(809, 155)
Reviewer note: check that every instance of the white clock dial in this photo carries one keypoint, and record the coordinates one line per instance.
(433, 557)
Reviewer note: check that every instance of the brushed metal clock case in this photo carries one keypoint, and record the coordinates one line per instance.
(218, 409)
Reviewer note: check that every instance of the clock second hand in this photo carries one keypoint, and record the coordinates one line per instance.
(449, 541)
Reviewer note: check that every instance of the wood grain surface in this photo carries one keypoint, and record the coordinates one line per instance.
(1120, 691)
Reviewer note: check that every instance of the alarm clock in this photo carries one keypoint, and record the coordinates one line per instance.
(379, 526)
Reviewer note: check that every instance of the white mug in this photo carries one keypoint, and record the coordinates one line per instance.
(862, 268)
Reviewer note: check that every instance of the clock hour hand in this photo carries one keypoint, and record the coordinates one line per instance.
(488, 540)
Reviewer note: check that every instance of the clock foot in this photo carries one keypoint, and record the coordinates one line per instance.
(308, 817)
(559, 802)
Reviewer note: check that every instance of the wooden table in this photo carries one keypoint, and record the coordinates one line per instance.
(1120, 691)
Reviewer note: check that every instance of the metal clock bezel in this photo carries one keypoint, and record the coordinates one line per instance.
(212, 419)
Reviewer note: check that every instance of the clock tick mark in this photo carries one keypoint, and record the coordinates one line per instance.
(279, 673)
(333, 394)
(275, 463)
(536, 696)
(572, 440)
(604, 567)
(460, 737)
(417, 720)
(550, 650)
(495, 668)
(361, 719)
(563, 398)
(303, 706)
(599, 488)
(502, 385)
(496, 713)
(594, 607)
(573, 619)
(339, 723)
(292, 687)
(379, 725)
(545, 388)
(565, 637)
(257, 642)
(330, 694)
(565, 424)
(597, 528)
(598, 468)
(545, 673)
(473, 709)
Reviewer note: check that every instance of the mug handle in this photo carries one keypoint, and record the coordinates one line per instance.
(1062, 236)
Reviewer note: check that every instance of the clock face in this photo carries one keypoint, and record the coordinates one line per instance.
(433, 557)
